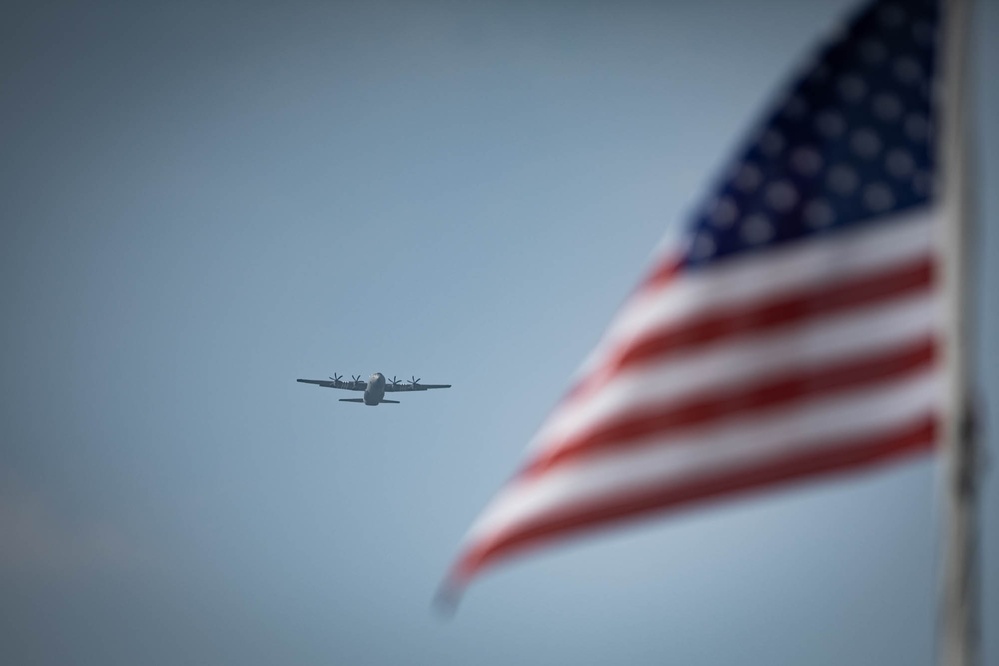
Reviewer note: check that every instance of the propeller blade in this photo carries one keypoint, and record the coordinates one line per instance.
(414, 380)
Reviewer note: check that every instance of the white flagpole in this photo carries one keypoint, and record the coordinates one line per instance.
(959, 626)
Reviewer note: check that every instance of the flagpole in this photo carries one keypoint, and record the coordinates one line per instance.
(959, 601)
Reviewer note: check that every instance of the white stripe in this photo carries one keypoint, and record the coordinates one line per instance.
(867, 331)
(809, 263)
(709, 451)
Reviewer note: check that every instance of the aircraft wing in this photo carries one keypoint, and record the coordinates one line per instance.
(334, 383)
(389, 387)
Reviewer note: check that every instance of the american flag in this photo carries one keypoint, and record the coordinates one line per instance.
(794, 330)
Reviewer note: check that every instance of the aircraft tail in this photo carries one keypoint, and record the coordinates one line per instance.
(394, 402)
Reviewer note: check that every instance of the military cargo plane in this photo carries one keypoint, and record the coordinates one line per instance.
(375, 388)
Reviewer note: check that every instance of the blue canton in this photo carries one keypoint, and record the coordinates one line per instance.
(850, 142)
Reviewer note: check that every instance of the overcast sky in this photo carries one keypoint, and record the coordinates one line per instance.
(203, 201)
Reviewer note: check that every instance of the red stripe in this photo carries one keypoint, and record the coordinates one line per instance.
(636, 427)
(790, 309)
(661, 275)
(816, 459)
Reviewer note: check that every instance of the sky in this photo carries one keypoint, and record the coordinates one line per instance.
(202, 202)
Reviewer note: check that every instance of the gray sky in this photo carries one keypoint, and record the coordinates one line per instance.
(203, 201)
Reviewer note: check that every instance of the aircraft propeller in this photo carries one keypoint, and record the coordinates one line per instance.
(395, 382)
(414, 380)
(356, 378)
(336, 377)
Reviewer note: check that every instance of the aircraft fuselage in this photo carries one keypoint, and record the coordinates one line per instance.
(375, 391)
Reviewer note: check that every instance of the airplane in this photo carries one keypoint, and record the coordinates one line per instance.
(374, 389)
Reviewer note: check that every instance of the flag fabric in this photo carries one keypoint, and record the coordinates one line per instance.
(795, 329)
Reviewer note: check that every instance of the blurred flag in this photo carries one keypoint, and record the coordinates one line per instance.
(795, 329)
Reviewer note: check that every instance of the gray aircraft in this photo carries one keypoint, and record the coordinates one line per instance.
(375, 388)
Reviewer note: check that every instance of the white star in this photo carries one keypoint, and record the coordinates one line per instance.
(916, 127)
(887, 107)
(842, 179)
(818, 213)
(724, 213)
(899, 163)
(878, 197)
(926, 88)
(806, 160)
(819, 72)
(852, 87)
(781, 196)
(865, 143)
(795, 107)
(771, 143)
(830, 124)
(873, 51)
(703, 246)
(757, 229)
(922, 183)
(907, 70)
(748, 177)
(922, 33)
(891, 16)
